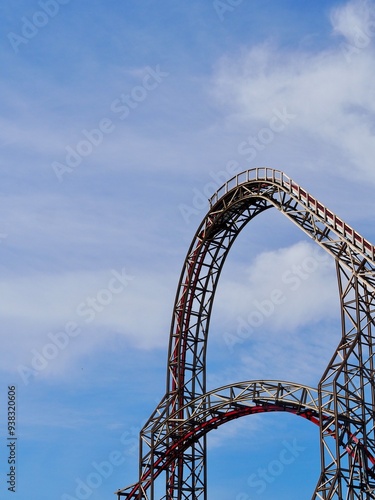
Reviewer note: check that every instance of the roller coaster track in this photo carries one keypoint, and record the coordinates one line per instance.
(173, 440)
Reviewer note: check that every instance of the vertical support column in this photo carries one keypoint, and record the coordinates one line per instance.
(347, 389)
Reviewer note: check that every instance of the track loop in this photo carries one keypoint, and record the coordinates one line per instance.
(173, 440)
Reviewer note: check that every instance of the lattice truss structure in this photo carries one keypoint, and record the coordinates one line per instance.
(173, 441)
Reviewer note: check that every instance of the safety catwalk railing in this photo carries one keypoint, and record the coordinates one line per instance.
(278, 177)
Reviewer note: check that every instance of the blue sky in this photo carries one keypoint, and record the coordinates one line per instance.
(119, 120)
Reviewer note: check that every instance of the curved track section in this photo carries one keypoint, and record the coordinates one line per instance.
(346, 389)
(217, 407)
(173, 435)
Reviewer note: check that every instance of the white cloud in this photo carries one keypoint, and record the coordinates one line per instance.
(275, 320)
(354, 21)
(284, 289)
(36, 137)
(39, 308)
(329, 93)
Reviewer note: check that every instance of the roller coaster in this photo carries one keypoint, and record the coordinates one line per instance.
(173, 440)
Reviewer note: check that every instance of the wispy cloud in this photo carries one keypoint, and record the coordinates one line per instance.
(355, 21)
(331, 97)
(302, 274)
(68, 315)
(282, 308)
